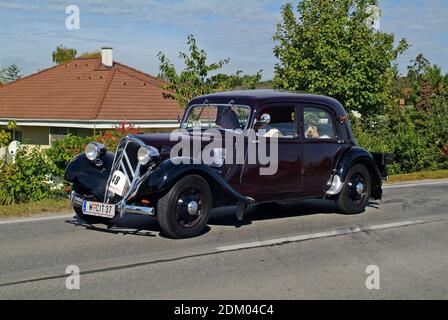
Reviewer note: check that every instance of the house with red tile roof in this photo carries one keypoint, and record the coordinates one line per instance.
(85, 96)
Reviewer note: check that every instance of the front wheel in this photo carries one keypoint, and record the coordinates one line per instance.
(355, 193)
(184, 211)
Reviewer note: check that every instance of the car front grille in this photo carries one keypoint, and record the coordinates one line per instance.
(126, 161)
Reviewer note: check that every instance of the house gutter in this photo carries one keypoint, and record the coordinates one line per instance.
(89, 124)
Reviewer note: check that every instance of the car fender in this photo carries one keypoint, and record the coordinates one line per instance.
(87, 177)
(168, 172)
(355, 155)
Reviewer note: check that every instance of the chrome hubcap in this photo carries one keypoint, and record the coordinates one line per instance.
(360, 188)
(192, 208)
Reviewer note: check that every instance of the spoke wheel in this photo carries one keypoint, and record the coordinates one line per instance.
(357, 190)
(184, 211)
(190, 207)
(355, 194)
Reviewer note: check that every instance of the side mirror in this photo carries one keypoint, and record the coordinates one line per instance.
(264, 119)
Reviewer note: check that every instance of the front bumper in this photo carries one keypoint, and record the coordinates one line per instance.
(122, 208)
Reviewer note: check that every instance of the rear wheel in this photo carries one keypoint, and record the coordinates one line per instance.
(184, 211)
(356, 191)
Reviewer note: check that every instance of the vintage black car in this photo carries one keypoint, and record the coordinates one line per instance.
(317, 157)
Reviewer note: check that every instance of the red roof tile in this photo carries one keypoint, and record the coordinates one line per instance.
(84, 89)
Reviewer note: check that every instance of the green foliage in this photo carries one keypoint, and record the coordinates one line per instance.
(10, 73)
(195, 79)
(28, 178)
(93, 55)
(5, 137)
(419, 141)
(2, 76)
(63, 54)
(63, 151)
(329, 49)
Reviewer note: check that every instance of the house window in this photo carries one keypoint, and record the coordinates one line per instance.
(18, 136)
(57, 133)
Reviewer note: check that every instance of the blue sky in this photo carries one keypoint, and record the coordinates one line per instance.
(241, 30)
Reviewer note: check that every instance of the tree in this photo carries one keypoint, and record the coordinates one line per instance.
(92, 55)
(427, 81)
(63, 54)
(330, 49)
(419, 66)
(195, 79)
(12, 73)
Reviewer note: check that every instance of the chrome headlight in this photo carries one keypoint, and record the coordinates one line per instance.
(147, 154)
(94, 150)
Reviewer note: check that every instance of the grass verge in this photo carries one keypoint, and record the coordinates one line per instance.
(422, 175)
(43, 207)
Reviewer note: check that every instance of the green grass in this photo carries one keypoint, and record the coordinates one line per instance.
(43, 207)
(422, 175)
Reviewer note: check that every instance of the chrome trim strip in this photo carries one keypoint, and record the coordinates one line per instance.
(146, 211)
(125, 156)
(119, 163)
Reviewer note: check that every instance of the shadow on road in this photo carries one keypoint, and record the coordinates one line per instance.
(226, 216)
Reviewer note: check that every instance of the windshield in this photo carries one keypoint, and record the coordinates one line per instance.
(230, 117)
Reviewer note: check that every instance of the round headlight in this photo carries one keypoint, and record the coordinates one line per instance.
(94, 150)
(147, 154)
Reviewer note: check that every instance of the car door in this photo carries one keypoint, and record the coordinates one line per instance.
(286, 181)
(321, 145)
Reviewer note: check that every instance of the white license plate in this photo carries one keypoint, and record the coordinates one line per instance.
(98, 209)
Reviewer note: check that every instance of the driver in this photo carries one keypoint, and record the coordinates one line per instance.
(227, 118)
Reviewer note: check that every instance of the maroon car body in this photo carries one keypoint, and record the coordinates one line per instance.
(318, 157)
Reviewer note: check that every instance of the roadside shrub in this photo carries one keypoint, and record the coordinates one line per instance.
(372, 133)
(413, 151)
(111, 138)
(416, 140)
(29, 178)
(64, 150)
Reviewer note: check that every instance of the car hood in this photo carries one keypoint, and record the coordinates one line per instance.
(156, 139)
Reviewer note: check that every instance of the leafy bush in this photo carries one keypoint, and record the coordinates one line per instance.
(63, 151)
(413, 151)
(417, 140)
(111, 138)
(29, 178)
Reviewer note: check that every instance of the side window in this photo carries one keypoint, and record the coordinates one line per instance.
(318, 124)
(282, 121)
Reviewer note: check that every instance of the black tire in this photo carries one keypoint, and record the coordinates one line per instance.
(173, 213)
(91, 219)
(353, 200)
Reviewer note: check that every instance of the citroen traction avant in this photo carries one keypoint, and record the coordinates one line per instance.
(317, 157)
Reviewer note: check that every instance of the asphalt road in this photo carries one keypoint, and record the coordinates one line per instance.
(288, 251)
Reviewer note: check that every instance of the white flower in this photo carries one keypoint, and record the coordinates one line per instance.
(356, 114)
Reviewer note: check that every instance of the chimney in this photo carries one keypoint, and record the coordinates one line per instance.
(106, 56)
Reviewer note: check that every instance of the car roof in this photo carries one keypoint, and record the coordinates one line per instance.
(263, 96)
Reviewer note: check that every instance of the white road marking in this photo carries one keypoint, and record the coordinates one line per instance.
(19, 220)
(326, 234)
(407, 185)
